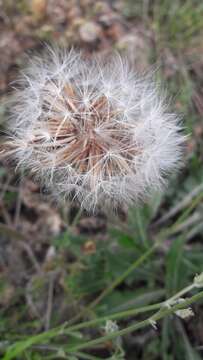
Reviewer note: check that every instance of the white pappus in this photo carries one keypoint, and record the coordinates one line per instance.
(92, 130)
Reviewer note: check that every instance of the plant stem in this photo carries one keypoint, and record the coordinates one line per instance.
(123, 276)
(135, 265)
(86, 356)
(116, 316)
(157, 316)
(163, 310)
(62, 330)
(179, 294)
(116, 282)
(132, 312)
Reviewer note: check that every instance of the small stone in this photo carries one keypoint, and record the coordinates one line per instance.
(89, 32)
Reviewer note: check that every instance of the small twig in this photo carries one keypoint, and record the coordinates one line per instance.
(5, 187)
(23, 243)
(12, 233)
(30, 302)
(25, 246)
(49, 301)
(18, 207)
(6, 215)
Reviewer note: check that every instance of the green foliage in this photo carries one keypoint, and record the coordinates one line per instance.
(178, 24)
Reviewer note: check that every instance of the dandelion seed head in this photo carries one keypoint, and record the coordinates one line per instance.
(94, 131)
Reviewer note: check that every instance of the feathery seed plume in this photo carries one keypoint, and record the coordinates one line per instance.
(94, 130)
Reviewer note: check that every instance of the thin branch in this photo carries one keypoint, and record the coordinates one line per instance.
(12, 233)
(49, 301)
(18, 206)
(22, 242)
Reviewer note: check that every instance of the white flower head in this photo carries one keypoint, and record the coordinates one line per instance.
(93, 130)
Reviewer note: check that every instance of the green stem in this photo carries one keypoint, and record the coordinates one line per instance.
(116, 282)
(116, 316)
(86, 356)
(133, 266)
(123, 276)
(180, 293)
(157, 316)
(20, 346)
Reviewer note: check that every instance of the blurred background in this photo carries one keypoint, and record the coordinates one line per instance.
(56, 262)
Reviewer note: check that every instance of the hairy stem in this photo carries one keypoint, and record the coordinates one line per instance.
(157, 316)
(164, 309)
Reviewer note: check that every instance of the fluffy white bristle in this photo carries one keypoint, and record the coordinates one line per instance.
(94, 131)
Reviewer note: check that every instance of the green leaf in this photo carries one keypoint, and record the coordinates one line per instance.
(174, 270)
